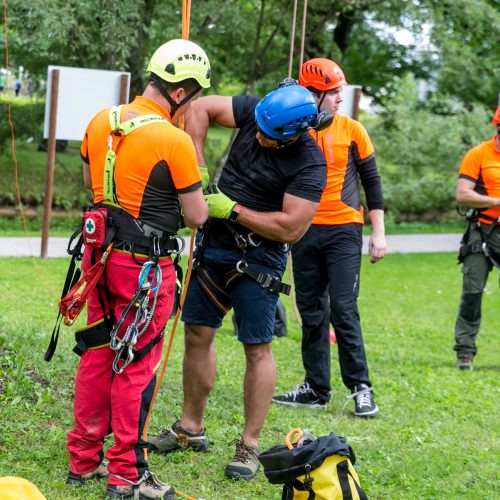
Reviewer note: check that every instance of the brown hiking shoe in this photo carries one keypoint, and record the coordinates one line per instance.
(245, 463)
(101, 472)
(464, 363)
(177, 438)
(149, 489)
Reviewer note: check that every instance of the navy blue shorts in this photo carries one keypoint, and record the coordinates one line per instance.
(254, 306)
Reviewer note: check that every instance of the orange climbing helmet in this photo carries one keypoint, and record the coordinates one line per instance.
(496, 117)
(322, 74)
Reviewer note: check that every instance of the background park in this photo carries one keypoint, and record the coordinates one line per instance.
(431, 78)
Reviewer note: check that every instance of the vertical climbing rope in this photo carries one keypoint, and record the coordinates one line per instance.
(186, 14)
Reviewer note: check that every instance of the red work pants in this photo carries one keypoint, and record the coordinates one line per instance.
(109, 402)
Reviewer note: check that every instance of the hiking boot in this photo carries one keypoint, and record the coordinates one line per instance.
(245, 463)
(303, 395)
(464, 363)
(78, 479)
(150, 489)
(177, 438)
(364, 402)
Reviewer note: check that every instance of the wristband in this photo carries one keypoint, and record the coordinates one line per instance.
(235, 212)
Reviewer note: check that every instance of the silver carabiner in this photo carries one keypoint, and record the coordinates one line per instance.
(130, 357)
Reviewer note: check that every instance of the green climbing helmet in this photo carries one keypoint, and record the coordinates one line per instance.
(179, 60)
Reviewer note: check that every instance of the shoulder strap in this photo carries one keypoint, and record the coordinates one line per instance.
(118, 131)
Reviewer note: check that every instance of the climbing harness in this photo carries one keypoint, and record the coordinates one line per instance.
(108, 226)
(485, 230)
(219, 291)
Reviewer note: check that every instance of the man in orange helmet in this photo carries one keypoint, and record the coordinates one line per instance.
(478, 189)
(327, 259)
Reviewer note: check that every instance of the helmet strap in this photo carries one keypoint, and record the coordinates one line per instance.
(323, 95)
(173, 105)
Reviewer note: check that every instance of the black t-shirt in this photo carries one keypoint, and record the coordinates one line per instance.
(258, 177)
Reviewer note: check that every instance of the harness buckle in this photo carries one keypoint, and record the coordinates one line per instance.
(251, 241)
(485, 249)
(156, 245)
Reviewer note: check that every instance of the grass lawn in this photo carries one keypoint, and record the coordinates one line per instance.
(437, 436)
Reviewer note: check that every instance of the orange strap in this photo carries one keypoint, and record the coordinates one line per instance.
(72, 303)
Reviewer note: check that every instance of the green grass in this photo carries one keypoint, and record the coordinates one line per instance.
(436, 436)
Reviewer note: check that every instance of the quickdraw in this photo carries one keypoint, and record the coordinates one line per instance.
(144, 310)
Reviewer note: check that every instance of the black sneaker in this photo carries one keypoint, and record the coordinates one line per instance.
(464, 363)
(364, 402)
(303, 395)
(245, 463)
(101, 472)
(177, 438)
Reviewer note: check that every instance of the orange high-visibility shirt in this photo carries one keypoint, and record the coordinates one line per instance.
(481, 165)
(154, 164)
(343, 143)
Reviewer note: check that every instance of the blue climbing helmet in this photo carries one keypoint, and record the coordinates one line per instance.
(286, 112)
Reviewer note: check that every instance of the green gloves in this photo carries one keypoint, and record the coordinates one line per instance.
(219, 205)
(205, 176)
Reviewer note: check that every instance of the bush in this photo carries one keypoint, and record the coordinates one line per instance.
(419, 149)
(27, 118)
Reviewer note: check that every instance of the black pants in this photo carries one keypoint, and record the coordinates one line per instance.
(326, 267)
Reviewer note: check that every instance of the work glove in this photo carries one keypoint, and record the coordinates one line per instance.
(205, 176)
(219, 205)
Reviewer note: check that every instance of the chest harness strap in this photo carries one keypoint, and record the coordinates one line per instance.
(118, 131)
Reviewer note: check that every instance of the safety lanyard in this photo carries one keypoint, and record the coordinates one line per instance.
(119, 130)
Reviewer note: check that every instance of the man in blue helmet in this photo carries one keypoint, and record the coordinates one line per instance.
(267, 195)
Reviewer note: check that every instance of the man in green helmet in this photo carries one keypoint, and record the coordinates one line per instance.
(154, 177)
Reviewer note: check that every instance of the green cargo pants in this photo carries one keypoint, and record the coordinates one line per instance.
(476, 268)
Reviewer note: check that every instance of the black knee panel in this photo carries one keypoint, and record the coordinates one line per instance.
(470, 307)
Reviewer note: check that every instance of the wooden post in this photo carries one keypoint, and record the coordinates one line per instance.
(124, 84)
(51, 157)
(355, 103)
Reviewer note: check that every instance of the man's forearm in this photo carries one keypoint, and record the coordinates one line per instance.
(276, 226)
(377, 221)
(476, 200)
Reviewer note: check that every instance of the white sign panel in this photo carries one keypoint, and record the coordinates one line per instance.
(348, 104)
(82, 93)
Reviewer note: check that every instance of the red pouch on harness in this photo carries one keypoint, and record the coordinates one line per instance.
(94, 227)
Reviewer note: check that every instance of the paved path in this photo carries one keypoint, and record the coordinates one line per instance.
(400, 243)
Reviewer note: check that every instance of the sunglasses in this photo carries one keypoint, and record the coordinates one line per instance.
(263, 134)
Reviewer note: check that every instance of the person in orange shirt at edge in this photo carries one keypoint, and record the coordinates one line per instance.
(327, 260)
(478, 189)
(155, 175)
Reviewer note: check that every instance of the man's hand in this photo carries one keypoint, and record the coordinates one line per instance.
(219, 205)
(376, 247)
